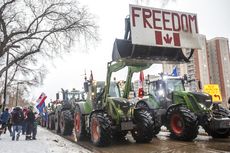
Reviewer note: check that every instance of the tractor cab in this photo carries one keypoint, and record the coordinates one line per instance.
(163, 88)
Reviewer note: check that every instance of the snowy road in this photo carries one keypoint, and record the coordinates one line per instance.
(47, 142)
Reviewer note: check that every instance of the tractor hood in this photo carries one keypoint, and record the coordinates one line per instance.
(122, 104)
(126, 51)
(203, 98)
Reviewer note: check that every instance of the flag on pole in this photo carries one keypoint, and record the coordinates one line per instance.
(141, 90)
(41, 102)
(174, 72)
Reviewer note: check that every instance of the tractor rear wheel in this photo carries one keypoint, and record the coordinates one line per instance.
(57, 120)
(143, 132)
(100, 129)
(79, 124)
(66, 122)
(219, 133)
(182, 123)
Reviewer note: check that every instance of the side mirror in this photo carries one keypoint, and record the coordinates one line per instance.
(86, 86)
(199, 85)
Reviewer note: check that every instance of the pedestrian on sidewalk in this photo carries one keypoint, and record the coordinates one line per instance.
(24, 125)
(34, 132)
(17, 119)
(30, 122)
(5, 116)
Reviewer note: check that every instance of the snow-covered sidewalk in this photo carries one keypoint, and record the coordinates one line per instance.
(47, 142)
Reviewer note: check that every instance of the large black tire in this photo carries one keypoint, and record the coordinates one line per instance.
(51, 123)
(100, 129)
(143, 131)
(79, 124)
(219, 133)
(66, 122)
(56, 121)
(143, 106)
(182, 123)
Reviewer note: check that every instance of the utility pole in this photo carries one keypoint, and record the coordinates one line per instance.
(5, 86)
(17, 95)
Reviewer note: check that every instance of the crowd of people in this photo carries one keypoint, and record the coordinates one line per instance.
(19, 121)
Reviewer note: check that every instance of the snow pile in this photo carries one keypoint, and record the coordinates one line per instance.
(47, 142)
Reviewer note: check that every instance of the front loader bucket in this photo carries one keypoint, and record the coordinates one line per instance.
(126, 51)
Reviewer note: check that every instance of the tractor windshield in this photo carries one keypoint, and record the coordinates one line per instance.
(76, 95)
(114, 90)
(174, 85)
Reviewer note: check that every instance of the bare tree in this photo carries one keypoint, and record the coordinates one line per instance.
(40, 28)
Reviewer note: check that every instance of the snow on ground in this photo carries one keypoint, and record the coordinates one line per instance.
(47, 142)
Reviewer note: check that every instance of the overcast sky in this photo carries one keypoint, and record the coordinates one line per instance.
(68, 72)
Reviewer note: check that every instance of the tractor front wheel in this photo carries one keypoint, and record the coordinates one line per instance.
(182, 123)
(143, 132)
(79, 124)
(66, 122)
(100, 129)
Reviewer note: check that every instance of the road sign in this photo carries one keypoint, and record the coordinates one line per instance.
(158, 27)
(214, 91)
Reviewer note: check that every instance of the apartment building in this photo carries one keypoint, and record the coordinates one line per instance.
(219, 61)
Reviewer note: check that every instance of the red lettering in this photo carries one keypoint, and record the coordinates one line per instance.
(164, 15)
(135, 15)
(146, 14)
(184, 22)
(176, 22)
(156, 19)
(192, 19)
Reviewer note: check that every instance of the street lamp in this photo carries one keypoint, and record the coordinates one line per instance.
(7, 62)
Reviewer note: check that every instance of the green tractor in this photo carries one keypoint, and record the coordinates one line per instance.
(182, 112)
(63, 115)
(106, 116)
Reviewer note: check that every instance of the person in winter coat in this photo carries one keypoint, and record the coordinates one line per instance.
(17, 119)
(25, 110)
(30, 123)
(5, 119)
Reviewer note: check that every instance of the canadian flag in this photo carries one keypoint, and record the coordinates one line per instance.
(167, 38)
(41, 102)
(141, 82)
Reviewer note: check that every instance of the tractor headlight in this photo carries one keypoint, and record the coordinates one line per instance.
(203, 106)
(161, 93)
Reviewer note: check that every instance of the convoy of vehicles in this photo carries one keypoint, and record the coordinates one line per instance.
(103, 114)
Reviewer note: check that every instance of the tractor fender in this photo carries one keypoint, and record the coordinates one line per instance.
(146, 102)
(173, 105)
(81, 106)
(98, 110)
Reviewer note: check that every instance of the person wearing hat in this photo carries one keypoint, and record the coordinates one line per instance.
(17, 119)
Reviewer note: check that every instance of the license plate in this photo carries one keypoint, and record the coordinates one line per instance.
(225, 124)
(126, 126)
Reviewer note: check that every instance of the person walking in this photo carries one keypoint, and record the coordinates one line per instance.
(24, 125)
(29, 122)
(34, 132)
(5, 116)
(17, 119)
